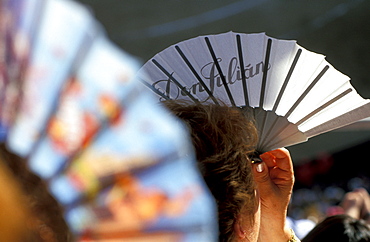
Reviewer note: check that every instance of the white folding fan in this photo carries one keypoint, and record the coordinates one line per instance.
(295, 94)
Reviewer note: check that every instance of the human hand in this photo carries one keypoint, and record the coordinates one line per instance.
(357, 204)
(274, 178)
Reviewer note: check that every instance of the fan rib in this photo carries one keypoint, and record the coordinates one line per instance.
(281, 92)
(79, 58)
(35, 24)
(196, 74)
(227, 89)
(286, 81)
(304, 94)
(344, 119)
(155, 90)
(241, 63)
(263, 86)
(268, 133)
(265, 70)
(325, 105)
(182, 88)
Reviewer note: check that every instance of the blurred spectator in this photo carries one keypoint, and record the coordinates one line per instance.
(351, 223)
(339, 228)
(357, 204)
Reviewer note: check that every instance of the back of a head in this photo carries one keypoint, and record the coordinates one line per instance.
(339, 228)
(44, 216)
(224, 138)
(13, 209)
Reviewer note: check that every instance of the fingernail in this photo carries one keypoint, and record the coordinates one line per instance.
(259, 167)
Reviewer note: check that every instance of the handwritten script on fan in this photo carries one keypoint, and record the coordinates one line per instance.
(210, 74)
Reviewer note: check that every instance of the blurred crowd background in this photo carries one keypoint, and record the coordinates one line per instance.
(327, 166)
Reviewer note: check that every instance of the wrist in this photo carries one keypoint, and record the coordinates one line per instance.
(273, 232)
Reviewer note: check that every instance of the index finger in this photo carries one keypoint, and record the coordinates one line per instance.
(283, 159)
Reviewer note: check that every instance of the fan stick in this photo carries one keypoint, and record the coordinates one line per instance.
(286, 81)
(295, 105)
(265, 70)
(260, 118)
(196, 74)
(242, 69)
(292, 135)
(304, 94)
(76, 64)
(281, 92)
(325, 105)
(227, 89)
(261, 128)
(182, 88)
(155, 90)
(342, 120)
(273, 126)
(35, 25)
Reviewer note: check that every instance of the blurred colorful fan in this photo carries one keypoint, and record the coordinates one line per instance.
(71, 106)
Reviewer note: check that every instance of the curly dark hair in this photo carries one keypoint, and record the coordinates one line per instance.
(224, 139)
(340, 228)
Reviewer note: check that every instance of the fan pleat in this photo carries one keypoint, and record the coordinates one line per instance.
(325, 105)
(200, 80)
(170, 76)
(309, 88)
(222, 76)
(286, 81)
